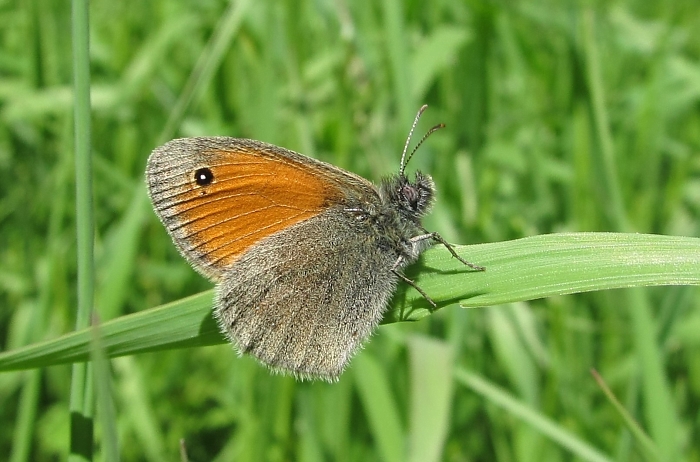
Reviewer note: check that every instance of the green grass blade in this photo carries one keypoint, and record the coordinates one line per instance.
(26, 417)
(106, 414)
(649, 449)
(80, 408)
(534, 419)
(430, 363)
(523, 269)
(83, 165)
(184, 323)
(659, 407)
(379, 404)
(616, 209)
(546, 265)
(137, 407)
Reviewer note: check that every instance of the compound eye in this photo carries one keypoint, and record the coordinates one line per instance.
(411, 194)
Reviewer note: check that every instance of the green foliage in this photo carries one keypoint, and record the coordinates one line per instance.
(560, 117)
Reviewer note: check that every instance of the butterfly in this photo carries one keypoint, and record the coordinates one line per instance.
(305, 255)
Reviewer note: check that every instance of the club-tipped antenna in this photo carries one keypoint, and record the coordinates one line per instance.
(404, 159)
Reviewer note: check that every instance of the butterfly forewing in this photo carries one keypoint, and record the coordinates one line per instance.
(253, 191)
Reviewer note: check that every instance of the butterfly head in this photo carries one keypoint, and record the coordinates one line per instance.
(412, 199)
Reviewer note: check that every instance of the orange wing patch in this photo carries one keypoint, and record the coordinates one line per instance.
(253, 193)
(249, 199)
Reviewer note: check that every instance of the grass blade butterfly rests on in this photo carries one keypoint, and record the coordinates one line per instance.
(306, 256)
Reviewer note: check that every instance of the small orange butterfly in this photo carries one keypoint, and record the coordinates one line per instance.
(306, 255)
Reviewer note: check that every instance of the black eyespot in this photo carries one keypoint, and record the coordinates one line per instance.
(203, 176)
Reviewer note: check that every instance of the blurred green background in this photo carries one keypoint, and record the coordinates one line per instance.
(561, 116)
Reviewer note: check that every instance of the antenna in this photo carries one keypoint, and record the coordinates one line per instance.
(425, 137)
(404, 159)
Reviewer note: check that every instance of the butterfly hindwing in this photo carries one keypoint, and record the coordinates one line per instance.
(298, 303)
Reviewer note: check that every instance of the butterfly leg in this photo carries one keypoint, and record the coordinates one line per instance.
(410, 282)
(436, 236)
(415, 286)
